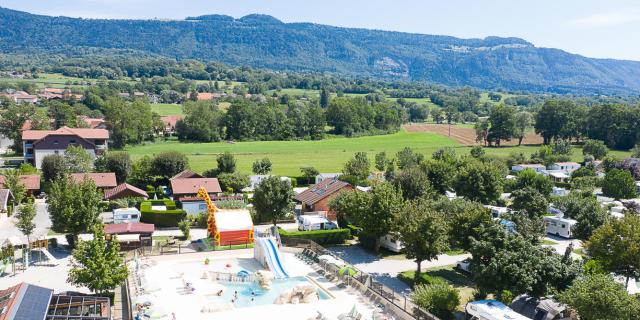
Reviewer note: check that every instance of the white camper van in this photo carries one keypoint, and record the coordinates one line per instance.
(559, 226)
(126, 215)
(391, 242)
(314, 222)
(491, 310)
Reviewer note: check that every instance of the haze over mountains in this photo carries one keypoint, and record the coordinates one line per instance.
(265, 42)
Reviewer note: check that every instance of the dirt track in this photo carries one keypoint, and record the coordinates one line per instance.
(464, 135)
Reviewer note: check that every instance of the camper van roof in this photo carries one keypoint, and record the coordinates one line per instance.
(313, 219)
(565, 220)
(494, 310)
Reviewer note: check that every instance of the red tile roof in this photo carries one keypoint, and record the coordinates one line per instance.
(191, 186)
(170, 121)
(186, 174)
(92, 122)
(124, 190)
(12, 293)
(321, 190)
(129, 228)
(80, 132)
(203, 96)
(30, 181)
(102, 179)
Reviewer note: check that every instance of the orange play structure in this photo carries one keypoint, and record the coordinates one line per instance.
(227, 228)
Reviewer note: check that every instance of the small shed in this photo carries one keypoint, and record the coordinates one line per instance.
(234, 226)
(135, 234)
(125, 190)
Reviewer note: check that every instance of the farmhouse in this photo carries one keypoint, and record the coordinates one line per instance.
(317, 198)
(170, 123)
(39, 143)
(103, 180)
(125, 190)
(186, 190)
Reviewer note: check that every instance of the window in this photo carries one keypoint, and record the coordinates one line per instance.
(6, 297)
(563, 226)
(55, 142)
(202, 207)
(72, 141)
(134, 216)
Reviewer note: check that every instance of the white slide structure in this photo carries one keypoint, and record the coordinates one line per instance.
(272, 256)
(51, 260)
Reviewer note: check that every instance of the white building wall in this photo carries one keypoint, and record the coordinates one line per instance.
(40, 154)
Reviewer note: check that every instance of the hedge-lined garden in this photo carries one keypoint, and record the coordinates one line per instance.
(323, 237)
(161, 218)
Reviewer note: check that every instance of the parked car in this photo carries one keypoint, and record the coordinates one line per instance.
(463, 265)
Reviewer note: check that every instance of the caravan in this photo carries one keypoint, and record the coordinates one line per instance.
(391, 242)
(559, 226)
(491, 310)
(314, 222)
(126, 215)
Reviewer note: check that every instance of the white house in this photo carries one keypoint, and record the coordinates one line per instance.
(566, 167)
(536, 167)
(324, 176)
(256, 180)
(561, 192)
(559, 226)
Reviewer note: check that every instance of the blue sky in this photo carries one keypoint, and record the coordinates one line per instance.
(594, 28)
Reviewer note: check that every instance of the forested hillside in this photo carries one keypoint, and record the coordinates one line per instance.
(263, 41)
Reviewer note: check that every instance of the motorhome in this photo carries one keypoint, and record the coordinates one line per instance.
(126, 215)
(391, 242)
(561, 227)
(315, 222)
(491, 310)
(497, 212)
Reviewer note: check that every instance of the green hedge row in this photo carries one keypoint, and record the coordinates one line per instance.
(336, 236)
(161, 218)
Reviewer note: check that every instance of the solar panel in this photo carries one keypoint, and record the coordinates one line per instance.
(34, 304)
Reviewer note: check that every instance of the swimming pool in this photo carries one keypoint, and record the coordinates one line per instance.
(260, 297)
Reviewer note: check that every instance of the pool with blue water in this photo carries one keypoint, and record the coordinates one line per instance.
(250, 294)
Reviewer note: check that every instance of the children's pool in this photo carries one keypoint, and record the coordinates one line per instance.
(249, 291)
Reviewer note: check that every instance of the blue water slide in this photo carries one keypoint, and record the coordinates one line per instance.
(273, 258)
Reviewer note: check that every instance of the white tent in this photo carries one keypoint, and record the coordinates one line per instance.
(233, 220)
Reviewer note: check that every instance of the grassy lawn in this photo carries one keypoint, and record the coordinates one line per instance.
(461, 281)
(295, 92)
(55, 80)
(327, 155)
(167, 109)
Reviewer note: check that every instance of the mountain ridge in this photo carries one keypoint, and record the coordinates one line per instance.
(263, 41)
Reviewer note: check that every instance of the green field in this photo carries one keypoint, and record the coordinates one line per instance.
(54, 80)
(327, 155)
(167, 109)
(288, 156)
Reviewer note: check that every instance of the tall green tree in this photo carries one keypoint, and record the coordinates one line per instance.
(584, 208)
(73, 207)
(203, 121)
(262, 166)
(12, 118)
(381, 161)
(24, 221)
(599, 297)
(273, 199)
(118, 162)
(226, 163)
(78, 160)
(325, 98)
(529, 178)
(423, 232)
(479, 181)
(524, 121)
(309, 173)
(13, 182)
(97, 264)
(168, 164)
(413, 183)
(595, 148)
(130, 122)
(529, 207)
(619, 184)
(407, 157)
(357, 168)
(502, 124)
(54, 166)
(616, 245)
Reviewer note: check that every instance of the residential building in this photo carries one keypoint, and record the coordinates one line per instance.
(323, 176)
(94, 123)
(30, 181)
(185, 190)
(186, 174)
(534, 166)
(103, 180)
(170, 123)
(317, 197)
(39, 143)
(123, 191)
(24, 301)
(255, 180)
(566, 167)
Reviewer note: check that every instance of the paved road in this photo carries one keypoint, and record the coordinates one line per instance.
(42, 221)
(387, 270)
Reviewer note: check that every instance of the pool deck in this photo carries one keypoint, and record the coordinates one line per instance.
(165, 275)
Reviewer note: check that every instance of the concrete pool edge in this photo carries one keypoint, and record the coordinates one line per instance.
(317, 284)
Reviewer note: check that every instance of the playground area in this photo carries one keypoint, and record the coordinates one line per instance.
(236, 285)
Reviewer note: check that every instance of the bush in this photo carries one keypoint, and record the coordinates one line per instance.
(161, 218)
(185, 228)
(355, 231)
(231, 204)
(438, 298)
(336, 236)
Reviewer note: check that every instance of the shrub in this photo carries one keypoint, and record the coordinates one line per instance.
(336, 236)
(438, 298)
(161, 218)
(231, 204)
(355, 231)
(185, 228)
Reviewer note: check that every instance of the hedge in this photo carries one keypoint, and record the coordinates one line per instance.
(355, 231)
(336, 236)
(161, 218)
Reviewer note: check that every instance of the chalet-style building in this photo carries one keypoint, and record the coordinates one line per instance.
(39, 143)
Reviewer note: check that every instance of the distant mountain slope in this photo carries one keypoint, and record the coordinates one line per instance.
(263, 41)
